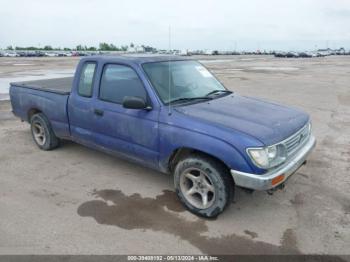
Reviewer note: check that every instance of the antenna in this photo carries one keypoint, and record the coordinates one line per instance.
(169, 91)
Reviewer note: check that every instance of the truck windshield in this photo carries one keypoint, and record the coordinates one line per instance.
(182, 81)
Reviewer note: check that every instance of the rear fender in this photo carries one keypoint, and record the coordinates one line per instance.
(53, 106)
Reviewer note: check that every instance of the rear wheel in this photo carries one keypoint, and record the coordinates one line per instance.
(203, 185)
(42, 132)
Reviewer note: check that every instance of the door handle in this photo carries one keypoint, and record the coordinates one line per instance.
(98, 112)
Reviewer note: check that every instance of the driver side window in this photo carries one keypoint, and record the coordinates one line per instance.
(119, 81)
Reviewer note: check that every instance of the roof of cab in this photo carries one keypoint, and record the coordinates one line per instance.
(138, 59)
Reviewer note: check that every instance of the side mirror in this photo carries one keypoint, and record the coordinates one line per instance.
(134, 102)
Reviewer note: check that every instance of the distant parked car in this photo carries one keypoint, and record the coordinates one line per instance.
(11, 54)
(39, 53)
(292, 55)
(51, 54)
(304, 54)
(280, 54)
(320, 54)
(82, 54)
(64, 54)
(22, 53)
(31, 54)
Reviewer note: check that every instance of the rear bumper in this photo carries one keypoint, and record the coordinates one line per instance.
(276, 176)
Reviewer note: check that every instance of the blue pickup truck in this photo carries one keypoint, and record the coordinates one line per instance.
(170, 114)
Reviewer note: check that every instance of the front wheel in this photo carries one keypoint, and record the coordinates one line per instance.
(203, 185)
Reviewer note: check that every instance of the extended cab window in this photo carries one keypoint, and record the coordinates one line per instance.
(119, 81)
(86, 79)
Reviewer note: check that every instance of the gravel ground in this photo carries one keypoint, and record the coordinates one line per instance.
(75, 200)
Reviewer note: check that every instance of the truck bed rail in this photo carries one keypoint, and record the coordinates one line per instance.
(56, 85)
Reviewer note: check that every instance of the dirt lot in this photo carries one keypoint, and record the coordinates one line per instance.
(74, 200)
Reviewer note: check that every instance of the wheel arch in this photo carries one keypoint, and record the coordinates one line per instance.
(183, 152)
(31, 112)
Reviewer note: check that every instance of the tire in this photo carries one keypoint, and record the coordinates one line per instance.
(200, 175)
(42, 132)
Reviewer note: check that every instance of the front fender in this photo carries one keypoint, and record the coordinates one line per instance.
(173, 138)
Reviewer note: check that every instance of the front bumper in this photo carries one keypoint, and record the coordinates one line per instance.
(276, 176)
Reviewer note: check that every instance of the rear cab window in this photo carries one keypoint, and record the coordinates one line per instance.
(119, 81)
(86, 79)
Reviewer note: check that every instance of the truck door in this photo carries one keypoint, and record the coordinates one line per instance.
(80, 109)
(131, 132)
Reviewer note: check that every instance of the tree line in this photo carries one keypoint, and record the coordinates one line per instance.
(102, 47)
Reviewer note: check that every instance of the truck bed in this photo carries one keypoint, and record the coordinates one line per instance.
(56, 85)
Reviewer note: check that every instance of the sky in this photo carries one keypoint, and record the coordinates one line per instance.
(205, 24)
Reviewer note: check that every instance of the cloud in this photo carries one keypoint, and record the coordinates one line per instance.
(249, 24)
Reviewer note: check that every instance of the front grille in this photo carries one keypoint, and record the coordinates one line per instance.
(294, 142)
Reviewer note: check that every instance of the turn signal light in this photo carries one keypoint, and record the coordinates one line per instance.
(277, 179)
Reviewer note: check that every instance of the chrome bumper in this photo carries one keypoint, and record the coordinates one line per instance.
(268, 180)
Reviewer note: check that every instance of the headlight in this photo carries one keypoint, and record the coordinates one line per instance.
(268, 157)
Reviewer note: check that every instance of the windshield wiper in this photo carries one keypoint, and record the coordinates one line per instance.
(219, 91)
(185, 99)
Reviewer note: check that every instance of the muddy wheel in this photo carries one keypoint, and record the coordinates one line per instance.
(203, 185)
(42, 132)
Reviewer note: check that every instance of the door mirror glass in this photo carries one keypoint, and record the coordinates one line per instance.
(134, 102)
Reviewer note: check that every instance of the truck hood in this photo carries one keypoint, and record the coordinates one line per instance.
(266, 121)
